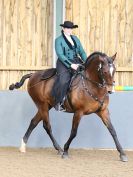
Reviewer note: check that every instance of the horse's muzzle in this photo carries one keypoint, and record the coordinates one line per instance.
(110, 92)
(111, 89)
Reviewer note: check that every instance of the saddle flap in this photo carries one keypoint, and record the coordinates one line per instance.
(48, 73)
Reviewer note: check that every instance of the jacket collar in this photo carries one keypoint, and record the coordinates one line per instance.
(68, 43)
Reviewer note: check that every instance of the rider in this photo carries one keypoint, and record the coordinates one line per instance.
(70, 54)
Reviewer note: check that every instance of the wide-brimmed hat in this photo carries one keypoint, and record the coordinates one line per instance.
(68, 24)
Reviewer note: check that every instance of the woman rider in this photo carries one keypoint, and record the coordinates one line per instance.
(70, 54)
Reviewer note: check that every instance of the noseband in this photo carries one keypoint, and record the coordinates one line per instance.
(101, 76)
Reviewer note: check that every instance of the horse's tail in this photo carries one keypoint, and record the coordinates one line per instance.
(19, 84)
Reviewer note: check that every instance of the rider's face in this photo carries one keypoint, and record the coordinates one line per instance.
(67, 31)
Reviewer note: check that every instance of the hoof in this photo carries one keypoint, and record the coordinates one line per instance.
(23, 150)
(23, 147)
(65, 156)
(60, 152)
(123, 158)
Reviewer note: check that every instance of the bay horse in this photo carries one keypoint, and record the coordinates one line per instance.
(88, 94)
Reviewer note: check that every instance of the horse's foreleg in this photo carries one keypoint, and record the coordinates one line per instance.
(47, 127)
(32, 125)
(106, 120)
(76, 120)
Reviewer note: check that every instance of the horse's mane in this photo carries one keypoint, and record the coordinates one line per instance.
(94, 54)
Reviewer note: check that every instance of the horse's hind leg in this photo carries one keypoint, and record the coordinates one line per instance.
(47, 127)
(33, 124)
(106, 120)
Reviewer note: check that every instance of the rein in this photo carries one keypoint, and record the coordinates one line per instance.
(100, 85)
(94, 82)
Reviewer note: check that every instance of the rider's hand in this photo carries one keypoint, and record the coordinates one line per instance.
(74, 66)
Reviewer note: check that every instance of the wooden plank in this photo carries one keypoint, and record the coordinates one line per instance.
(50, 33)
(37, 7)
(4, 34)
(125, 69)
(28, 27)
(1, 30)
(23, 68)
(8, 33)
(129, 33)
(76, 15)
(14, 33)
(113, 27)
(69, 10)
(83, 23)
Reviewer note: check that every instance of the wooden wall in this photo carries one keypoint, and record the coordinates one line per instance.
(106, 26)
(25, 38)
(26, 32)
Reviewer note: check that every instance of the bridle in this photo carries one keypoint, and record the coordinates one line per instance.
(102, 77)
(101, 85)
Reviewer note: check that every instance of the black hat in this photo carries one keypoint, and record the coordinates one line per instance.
(68, 24)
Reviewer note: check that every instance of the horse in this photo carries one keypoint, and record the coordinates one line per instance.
(88, 93)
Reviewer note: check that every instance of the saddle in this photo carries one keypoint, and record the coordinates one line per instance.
(48, 73)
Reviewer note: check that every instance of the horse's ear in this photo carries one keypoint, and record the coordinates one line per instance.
(114, 56)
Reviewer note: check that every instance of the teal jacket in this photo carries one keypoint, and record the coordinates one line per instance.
(66, 53)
